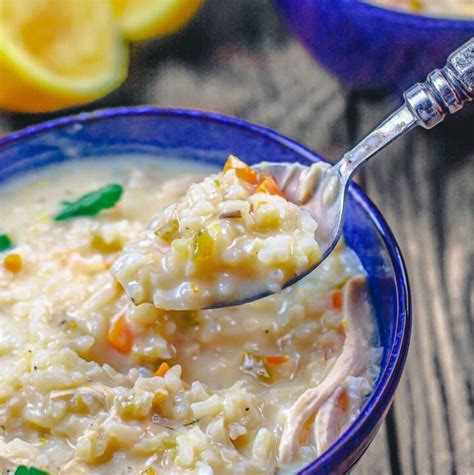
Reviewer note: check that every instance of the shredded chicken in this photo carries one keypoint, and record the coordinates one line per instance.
(351, 362)
(330, 421)
(100, 391)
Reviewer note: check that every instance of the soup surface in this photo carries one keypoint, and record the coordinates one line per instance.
(447, 8)
(92, 384)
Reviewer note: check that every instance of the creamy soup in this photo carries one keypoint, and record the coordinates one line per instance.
(448, 8)
(92, 384)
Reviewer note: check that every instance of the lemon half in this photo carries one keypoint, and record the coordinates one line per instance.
(144, 19)
(58, 53)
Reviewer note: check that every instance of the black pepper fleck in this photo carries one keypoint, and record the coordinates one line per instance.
(247, 409)
(35, 368)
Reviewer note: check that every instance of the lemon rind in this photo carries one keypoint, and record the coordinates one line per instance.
(162, 19)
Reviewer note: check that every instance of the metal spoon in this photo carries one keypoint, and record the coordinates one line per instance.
(321, 189)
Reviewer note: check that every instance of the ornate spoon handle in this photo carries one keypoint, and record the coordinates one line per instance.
(445, 90)
(426, 104)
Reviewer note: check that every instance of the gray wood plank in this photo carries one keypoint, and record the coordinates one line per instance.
(375, 461)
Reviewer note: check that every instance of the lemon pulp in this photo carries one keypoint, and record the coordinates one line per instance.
(55, 54)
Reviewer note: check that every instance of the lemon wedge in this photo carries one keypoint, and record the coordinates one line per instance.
(144, 19)
(57, 53)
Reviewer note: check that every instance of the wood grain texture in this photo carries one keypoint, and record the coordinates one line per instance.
(423, 185)
(238, 58)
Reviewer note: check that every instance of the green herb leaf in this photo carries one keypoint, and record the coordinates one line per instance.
(37, 471)
(91, 203)
(23, 470)
(5, 242)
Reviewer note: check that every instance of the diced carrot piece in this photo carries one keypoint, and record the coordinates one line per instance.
(337, 299)
(120, 335)
(276, 359)
(343, 402)
(242, 441)
(268, 185)
(305, 430)
(248, 174)
(242, 170)
(13, 263)
(234, 162)
(163, 369)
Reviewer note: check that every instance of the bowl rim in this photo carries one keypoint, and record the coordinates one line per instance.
(380, 399)
(406, 17)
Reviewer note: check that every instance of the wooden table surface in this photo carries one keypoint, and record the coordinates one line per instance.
(238, 58)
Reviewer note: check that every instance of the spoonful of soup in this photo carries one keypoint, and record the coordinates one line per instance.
(247, 232)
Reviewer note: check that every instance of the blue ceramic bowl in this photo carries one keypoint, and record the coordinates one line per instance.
(368, 47)
(208, 137)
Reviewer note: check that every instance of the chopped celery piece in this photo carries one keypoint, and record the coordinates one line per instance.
(203, 246)
(169, 231)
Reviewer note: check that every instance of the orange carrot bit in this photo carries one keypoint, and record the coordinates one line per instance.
(163, 369)
(13, 263)
(276, 359)
(305, 430)
(242, 170)
(343, 401)
(120, 335)
(234, 162)
(268, 185)
(337, 300)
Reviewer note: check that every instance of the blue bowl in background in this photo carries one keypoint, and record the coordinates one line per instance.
(208, 137)
(373, 48)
